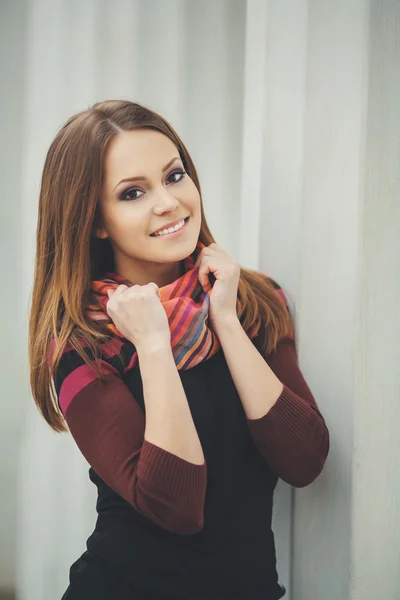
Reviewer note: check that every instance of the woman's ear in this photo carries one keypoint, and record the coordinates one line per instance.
(98, 231)
(101, 233)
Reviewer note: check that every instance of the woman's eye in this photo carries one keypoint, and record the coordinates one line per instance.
(129, 193)
(178, 172)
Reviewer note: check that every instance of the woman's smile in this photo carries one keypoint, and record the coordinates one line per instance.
(172, 232)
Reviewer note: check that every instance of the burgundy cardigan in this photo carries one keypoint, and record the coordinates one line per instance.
(108, 426)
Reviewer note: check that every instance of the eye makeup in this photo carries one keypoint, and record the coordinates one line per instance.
(124, 194)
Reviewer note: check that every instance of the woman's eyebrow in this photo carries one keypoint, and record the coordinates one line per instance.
(142, 178)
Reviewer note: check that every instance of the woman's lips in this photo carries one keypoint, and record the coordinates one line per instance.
(174, 233)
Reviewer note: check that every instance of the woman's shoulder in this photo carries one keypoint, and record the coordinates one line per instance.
(80, 365)
(280, 292)
(285, 299)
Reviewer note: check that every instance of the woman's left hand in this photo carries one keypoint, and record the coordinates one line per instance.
(213, 259)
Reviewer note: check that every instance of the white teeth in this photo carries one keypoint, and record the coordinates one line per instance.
(171, 229)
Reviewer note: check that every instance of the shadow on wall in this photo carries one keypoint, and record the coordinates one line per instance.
(7, 595)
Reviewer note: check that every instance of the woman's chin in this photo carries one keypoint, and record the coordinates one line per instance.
(179, 244)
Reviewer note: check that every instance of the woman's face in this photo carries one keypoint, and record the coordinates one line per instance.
(132, 211)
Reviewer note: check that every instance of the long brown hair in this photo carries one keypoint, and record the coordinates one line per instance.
(69, 255)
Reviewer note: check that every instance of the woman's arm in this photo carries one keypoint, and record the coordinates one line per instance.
(169, 422)
(281, 412)
(154, 463)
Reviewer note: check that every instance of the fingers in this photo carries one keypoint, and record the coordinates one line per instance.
(204, 270)
(153, 285)
(118, 291)
(122, 288)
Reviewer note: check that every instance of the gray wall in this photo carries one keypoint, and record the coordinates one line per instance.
(12, 84)
(346, 526)
(375, 558)
(327, 137)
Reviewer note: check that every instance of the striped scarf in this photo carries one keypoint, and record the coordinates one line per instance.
(186, 305)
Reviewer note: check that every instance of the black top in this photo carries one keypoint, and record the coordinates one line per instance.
(233, 556)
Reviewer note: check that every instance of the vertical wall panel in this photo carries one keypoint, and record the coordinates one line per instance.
(376, 474)
(328, 296)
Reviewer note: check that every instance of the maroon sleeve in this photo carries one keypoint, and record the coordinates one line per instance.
(108, 427)
(292, 437)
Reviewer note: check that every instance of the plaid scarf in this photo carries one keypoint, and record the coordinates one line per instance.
(186, 305)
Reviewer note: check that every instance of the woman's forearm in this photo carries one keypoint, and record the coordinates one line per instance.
(169, 422)
(257, 385)
(282, 414)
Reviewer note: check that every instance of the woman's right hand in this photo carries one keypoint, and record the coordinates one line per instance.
(139, 315)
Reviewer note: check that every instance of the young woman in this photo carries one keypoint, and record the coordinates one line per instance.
(174, 369)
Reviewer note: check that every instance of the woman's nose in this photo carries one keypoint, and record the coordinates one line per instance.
(165, 200)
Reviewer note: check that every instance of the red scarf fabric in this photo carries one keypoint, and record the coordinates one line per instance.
(186, 305)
